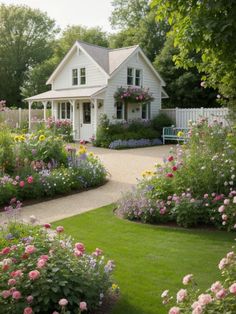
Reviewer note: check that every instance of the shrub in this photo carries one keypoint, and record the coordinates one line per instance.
(160, 121)
(7, 161)
(62, 128)
(219, 298)
(45, 271)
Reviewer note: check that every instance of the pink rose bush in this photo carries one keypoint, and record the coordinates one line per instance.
(43, 271)
(195, 185)
(219, 298)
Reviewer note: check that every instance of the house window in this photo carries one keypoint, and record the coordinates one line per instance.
(119, 110)
(137, 77)
(146, 111)
(74, 77)
(130, 76)
(64, 111)
(82, 76)
(86, 113)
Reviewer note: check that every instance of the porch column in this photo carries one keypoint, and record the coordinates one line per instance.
(30, 104)
(72, 102)
(44, 110)
(52, 109)
(95, 115)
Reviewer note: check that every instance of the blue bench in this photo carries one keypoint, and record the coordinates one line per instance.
(171, 133)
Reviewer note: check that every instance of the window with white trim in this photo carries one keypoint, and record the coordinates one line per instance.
(82, 76)
(64, 111)
(130, 76)
(138, 78)
(146, 111)
(75, 77)
(134, 77)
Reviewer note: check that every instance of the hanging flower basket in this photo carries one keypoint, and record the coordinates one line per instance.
(133, 95)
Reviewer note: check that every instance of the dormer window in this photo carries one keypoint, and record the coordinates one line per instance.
(82, 76)
(130, 76)
(75, 77)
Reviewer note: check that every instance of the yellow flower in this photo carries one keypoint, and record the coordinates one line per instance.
(114, 286)
(91, 154)
(42, 138)
(147, 173)
(22, 138)
(180, 134)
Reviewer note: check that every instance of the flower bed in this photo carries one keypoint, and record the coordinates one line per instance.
(44, 271)
(195, 186)
(118, 144)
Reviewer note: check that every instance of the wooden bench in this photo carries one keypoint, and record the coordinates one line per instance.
(171, 133)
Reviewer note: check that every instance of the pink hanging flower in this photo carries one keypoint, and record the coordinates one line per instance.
(83, 306)
(221, 294)
(34, 274)
(63, 302)
(5, 294)
(16, 295)
(29, 299)
(28, 310)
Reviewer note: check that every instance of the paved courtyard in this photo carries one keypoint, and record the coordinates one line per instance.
(124, 166)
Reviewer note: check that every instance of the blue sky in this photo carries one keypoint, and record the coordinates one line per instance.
(70, 12)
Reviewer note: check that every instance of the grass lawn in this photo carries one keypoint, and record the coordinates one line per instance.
(149, 259)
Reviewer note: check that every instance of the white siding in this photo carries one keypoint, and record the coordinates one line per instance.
(120, 79)
(94, 75)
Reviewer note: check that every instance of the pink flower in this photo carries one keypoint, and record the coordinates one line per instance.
(80, 247)
(5, 294)
(22, 184)
(206, 195)
(30, 179)
(221, 293)
(224, 217)
(163, 210)
(216, 286)
(170, 158)
(174, 310)
(5, 251)
(97, 252)
(11, 282)
(30, 249)
(221, 209)
(230, 255)
(78, 253)
(198, 309)
(41, 263)
(165, 294)
(234, 200)
(204, 299)
(28, 310)
(47, 226)
(232, 288)
(187, 279)
(169, 175)
(63, 302)
(226, 201)
(29, 299)
(16, 273)
(16, 295)
(83, 306)
(174, 168)
(44, 257)
(34, 274)
(181, 295)
(60, 229)
(223, 263)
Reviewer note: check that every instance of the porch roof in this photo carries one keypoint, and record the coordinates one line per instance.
(67, 94)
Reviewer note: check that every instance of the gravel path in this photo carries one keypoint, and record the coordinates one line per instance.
(124, 166)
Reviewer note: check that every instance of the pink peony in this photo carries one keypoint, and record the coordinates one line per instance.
(181, 295)
(221, 209)
(80, 247)
(22, 184)
(204, 299)
(223, 263)
(34, 274)
(44, 257)
(174, 310)
(221, 293)
(216, 286)
(30, 249)
(230, 255)
(63, 302)
(5, 294)
(16, 295)
(11, 282)
(97, 252)
(83, 306)
(226, 201)
(41, 263)
(187, 279)
(206, 195)
(232, 288)
(30, 179)
(197, 310)
(29, 299)
(16, 273)
(77, 253)
(28, 310)
(60, 229)
(47, 226)
(224, 217)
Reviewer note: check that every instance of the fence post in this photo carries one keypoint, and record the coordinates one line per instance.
(176, 116)
(19, 117)
(202, 111)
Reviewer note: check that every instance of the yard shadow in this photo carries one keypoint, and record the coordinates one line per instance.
(125, 307)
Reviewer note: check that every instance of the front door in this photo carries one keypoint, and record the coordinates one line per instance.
(86, 128)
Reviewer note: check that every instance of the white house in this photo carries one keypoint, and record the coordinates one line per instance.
(84, 83)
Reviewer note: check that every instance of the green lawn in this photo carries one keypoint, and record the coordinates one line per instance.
(149, 259)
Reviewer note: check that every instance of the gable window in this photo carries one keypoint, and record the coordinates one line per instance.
(74, 77)
(119, 110)
(130, 76)
(82, 76)
(146, 111)
(137, 77)
(64, 111)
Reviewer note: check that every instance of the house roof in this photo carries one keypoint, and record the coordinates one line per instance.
(67, 93)
(108, 60)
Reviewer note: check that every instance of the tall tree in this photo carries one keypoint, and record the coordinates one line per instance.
(206, 29)
(25, 41)
(37, 76)
(182, 85)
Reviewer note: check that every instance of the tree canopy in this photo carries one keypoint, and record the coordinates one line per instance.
(26, 37)
(205, 34)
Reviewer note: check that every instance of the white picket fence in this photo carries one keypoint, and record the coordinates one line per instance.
(15, 118)
(182, 116)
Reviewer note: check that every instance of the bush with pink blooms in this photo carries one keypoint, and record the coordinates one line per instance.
(61, 128)
(43, 271)
(219, 298)
(195, 185)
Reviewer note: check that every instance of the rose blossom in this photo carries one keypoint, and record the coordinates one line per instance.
(80, 247)
(206, 195)
(226, 201)
(224, 217)
(221, 293)
(29, 299)
(216, 286)
(5, 294)
(63, 302)
(169, 175)
(30, 249)
(230, 255)
(223, 263)
(174, 168)
(181, 295)
(16, 295)
(28, 310)
(97, 252)
(221, 209)
(34, 274)
(174, 310)
(30, 179)
(204, 299)
(41, 263)
(5, 251)
(59, 229)
(197, 310)
(232, 288)
(16, 273)
(47, 226)
(83, 306)
(187, 279)
(11, 282)
(22, 184)
(170, 158)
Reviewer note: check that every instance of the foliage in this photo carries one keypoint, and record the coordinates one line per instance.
(192, 184)
(122, 132)
(25, 40)
(6, 151)
(133, 95)
(204, 29)
(219, 298)
(3, 106)
(160, 121)
(62, 128)
(48, 268)
(183, 86)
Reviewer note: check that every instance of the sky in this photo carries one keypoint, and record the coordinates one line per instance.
(70, 12)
